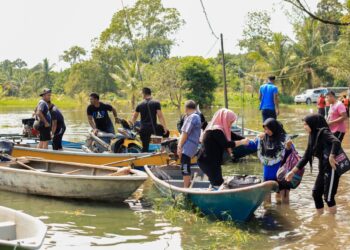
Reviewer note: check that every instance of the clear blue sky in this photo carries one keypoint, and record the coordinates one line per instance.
(35, 29)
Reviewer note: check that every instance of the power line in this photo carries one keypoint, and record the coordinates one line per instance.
(207, 18)
(212, 47)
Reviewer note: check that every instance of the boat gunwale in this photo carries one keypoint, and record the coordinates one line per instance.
(41, 231)
(82, 153)
(271, 184)
(139, 174)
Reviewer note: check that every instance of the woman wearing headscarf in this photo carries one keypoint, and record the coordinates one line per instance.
(323, 145)
(215, 140)
(273, 148)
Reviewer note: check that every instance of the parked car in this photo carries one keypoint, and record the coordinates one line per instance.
(310, 95)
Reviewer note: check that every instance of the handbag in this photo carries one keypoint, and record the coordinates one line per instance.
(290, 163)
(343, 163)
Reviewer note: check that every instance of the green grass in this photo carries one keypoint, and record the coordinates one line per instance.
(217, 234)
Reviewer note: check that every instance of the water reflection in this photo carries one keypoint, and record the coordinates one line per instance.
(88, 225)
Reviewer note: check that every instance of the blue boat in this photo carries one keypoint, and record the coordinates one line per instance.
(237, 203)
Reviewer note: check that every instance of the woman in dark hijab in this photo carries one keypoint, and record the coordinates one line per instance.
(323, 145)
(273, 148)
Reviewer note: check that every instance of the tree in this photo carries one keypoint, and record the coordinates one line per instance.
(277, 56)
(127, 77)
(145, 30)
(73, 55)
(299, 5)
(199, 80)
(308, 48)
(89, 76)
(329, 9)
(256, 30)
(166, 79)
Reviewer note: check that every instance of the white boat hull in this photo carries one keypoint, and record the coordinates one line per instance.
(20, 231)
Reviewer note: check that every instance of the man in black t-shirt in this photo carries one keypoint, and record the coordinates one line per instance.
(149, 110)
(58, 127)
(97, 113)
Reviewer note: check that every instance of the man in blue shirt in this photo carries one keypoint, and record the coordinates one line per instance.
(189, 140)
(268, 97)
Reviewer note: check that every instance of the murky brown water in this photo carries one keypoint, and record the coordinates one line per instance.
(88, 225)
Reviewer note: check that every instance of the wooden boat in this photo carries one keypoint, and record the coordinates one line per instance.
(238, 203)
(20, 231)
(68, 180)
(79, 156)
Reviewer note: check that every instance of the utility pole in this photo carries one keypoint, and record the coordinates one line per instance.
(224, 70)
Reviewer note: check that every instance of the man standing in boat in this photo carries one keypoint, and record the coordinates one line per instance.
(58, 127)
(268, 96)
(97, 113)
(149, 109)
(43, 119)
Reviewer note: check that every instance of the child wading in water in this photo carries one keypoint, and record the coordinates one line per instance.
(324, 145)
(273, 148)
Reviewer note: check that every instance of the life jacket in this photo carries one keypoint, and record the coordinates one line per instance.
(346, 102)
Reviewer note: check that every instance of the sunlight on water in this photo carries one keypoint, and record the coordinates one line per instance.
(90, 225)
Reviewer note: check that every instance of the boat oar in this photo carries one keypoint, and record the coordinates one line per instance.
(193, 179)
(133, 159)
(25, 165)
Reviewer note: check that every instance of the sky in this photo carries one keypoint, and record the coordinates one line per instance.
(36, 29)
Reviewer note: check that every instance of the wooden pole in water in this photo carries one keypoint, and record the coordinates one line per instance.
(224, 69)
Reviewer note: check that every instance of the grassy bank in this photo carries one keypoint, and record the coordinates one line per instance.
(80, 100)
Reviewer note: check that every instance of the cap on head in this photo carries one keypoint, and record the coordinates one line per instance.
(45, 91)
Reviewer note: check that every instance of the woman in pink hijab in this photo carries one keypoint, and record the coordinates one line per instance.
(215, 140)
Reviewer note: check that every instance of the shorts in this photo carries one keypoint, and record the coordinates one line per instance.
(45, 134)
(185, 165)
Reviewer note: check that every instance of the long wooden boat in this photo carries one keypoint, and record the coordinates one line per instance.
(19, 230)
(238, 203)
(68, 180)
(79, 156)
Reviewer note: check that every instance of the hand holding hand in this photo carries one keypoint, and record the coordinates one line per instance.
(245, 141)
(261, 136)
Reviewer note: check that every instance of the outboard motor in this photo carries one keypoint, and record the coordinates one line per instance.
(28, 129)
(6, 148)
(170, 147)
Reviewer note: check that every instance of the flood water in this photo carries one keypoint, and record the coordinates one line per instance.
(90, 225)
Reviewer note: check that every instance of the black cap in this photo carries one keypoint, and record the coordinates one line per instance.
(45, 91)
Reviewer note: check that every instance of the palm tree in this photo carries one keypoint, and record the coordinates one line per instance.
(128, 74)
(308, 48)
(275, 57)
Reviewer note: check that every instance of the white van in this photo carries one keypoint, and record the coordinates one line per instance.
(310, 95)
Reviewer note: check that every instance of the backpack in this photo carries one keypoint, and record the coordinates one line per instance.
(290, 163)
